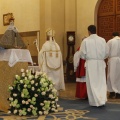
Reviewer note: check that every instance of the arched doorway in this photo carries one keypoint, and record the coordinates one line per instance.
(108, 18)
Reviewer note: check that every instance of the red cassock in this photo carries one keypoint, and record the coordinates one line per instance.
(81, 90)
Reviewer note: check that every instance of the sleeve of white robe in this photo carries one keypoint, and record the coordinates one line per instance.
(76, 61)
(82, 51)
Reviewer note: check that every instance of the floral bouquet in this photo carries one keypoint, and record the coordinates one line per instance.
(32, 94)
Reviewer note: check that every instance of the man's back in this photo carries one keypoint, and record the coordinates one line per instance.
(95, 47)
(114, 47)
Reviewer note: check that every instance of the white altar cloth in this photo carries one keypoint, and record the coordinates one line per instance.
(15, 55)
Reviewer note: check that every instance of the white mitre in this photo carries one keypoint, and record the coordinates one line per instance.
(49, 32)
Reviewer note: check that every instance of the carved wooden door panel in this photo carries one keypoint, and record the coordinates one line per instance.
(108, 18)
(106, 26)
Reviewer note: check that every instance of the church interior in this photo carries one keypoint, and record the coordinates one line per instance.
(68, 18)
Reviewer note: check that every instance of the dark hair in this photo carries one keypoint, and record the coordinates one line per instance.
(92, 29)
(115, 34)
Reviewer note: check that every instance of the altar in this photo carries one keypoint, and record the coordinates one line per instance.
(11, 62)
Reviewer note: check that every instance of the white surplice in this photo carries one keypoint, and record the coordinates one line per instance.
(76, 60)
(50, 62)
(94, 50)
(113, 77)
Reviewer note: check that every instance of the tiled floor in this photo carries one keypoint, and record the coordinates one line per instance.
(69, 93)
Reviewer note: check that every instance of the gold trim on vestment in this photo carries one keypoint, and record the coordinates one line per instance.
(51, 56)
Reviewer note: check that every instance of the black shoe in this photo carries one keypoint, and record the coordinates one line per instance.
(117, 96)
(112, 95)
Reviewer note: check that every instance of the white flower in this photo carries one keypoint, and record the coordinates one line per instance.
(25, 78)
(41, 104)
(53, 106)
(32, 82)
(54, 90)
(14, 94)
(36, 84)
(16, 76)
(45, 84)
(53, 102)
(56, 99)
(10, 88)
(21, 81)
(25, 86)
(29, 109)
(45, 112)
(36, 95)
(23, 101)
(40, 112)
(11, 99)
(30, 77)
(29, 100)
(33, 88)
(58, 105)
(53, 109)
(15, 111)
(23, 74)
(48, 89)
(22, 95)
(45, 101)
(31, 106)
(22, 70)
(50, 96)
(27, 71)
(9, 112)
(42, 80)
(26, 102)
(43, 93)
(50, 85)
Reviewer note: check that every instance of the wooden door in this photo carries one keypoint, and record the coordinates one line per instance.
(108, 18)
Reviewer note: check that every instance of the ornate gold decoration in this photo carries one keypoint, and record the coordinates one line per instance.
(70, 59)
(70, 114)
(6, 18)
(71, 72)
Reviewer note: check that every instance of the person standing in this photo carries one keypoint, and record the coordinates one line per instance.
(50, 60)
(94, 50)
(79, 68)
(113, 76)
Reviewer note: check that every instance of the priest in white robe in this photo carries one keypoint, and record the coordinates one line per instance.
(50, 60)
(113, 76)
(94, 50)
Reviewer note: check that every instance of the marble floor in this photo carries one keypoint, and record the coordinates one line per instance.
(69, 93)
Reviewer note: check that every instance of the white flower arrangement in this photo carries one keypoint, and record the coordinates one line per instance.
(32, 94)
